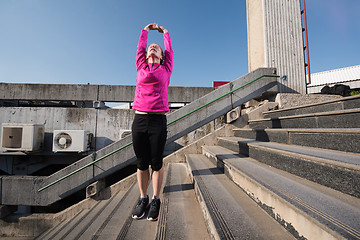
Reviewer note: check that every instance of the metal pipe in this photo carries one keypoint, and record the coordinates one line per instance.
(307, 44)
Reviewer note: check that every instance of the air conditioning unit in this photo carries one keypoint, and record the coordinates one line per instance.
(71, 141)
(22, 137)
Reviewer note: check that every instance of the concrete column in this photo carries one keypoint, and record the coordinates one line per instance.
(275, 39)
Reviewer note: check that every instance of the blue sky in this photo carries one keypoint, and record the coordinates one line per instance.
(94, 41)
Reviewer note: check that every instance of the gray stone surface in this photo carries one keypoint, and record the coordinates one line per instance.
(308, 122)
(230, 213)
(336, 139)
(293, 104)
(182, 216)
(340, 179)
(336, 170)
(292, 199)
(263, 135)
(352, 103)
(18, 91)
(342, 120)
(254, 113)
(288, 100)
(305, 122)
(339, 119)
(82, 92)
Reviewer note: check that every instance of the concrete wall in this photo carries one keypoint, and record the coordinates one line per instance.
(275, 40)
(107, 126)
(78, 92)
(255, 36)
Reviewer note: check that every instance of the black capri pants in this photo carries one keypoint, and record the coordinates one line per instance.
(149, 133)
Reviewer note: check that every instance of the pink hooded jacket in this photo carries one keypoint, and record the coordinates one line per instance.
(152, 80)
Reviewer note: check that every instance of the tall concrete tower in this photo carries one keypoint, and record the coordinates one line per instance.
(275, 39)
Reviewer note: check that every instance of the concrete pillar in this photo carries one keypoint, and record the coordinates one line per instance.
(275, 39)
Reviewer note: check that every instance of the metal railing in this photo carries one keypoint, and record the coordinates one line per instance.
(179, 118)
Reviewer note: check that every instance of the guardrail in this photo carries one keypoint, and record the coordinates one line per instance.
(30, 190)
(169, 123)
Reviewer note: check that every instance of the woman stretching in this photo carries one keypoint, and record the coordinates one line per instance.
(149, 131)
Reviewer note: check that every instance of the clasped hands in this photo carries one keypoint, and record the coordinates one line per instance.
(155, 26)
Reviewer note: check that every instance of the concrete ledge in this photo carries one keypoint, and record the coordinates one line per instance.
(83, 92)
(254, 114)
(249, 175)
(316, 106)
(180, 213)
(228, 211)
(333, 172)
(334, 119)
(293, 100)
(35, 224)
(330, 138)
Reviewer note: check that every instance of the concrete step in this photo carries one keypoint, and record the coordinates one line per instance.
(309, 209)
(326, 106)
(17, 238)
(63, 228)
(229, 212)
(334, 119)
(130, 230)
(180, 215)
(111, 218)
(334, 169)
(104, 220)
(341, 139)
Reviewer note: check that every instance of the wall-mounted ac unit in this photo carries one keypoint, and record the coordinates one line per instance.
(71, 141)
(22, 137)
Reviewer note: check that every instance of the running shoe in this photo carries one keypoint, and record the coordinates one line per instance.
(140, 208)
(154, 209)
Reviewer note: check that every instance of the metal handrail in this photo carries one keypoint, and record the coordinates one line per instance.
(130, 143)
(307, 44)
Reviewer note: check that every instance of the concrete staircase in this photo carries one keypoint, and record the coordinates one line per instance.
(256, 183)
(180, 216)
(306, 175)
